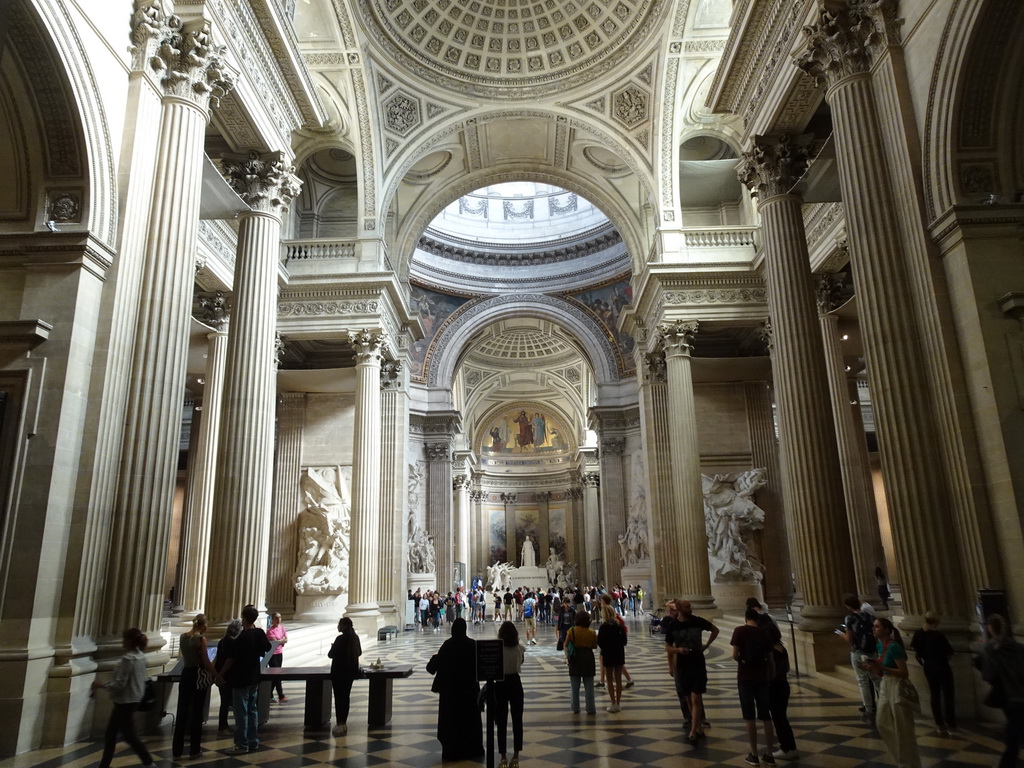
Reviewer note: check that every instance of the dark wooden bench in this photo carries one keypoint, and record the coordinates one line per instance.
(386, 633)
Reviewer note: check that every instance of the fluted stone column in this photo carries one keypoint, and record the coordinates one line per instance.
(440, 523)
(841, 49)
(657, 439)
(684, 532)
(544, 536)
(613, 506)
(460, 487)
(778, 577)
(283, 546)
(594, 567)
(192, 77)
(394, 482)
(245, 459)
(212, 310)
(807, 440)
(366, 505)
(865, 535)
(482, 550)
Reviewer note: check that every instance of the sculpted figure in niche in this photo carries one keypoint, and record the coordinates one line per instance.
(422, 557)
(529, 559)
(323, 523)
(730, 518)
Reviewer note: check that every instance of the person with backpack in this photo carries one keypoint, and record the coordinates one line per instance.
(858, 629)
(752, 650)
(529, 611)
(127, 688)
(1001, 662)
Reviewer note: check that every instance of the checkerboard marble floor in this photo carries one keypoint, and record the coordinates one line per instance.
(647, 732)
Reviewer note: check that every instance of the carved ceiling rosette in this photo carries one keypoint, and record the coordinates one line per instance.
(184, 57)
(846, 40)
(213, 309)
(265, 182)
(773, 165)
(677, 337)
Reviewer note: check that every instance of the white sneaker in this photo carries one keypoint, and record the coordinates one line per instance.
(780, 754)
(339, 730)
(613, 708)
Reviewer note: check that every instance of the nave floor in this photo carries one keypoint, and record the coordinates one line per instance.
(647, 732)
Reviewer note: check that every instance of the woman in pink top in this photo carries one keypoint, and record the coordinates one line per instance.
(277, 633)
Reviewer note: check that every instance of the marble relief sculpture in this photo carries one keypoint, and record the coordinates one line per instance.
(730, 518)
(422, 557)
(634, 543)
(499, 576)
(323, 534)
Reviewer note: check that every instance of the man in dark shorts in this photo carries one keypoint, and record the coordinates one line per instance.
(685, 649)
(752, 650)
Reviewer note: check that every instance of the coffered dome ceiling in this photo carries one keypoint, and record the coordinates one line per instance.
(509, 49)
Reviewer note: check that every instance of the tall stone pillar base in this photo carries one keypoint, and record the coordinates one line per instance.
(366, 618)
(327, 608)
(817, 650)
(733, 597)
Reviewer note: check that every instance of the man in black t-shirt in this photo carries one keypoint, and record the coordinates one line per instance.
(752, 650)
(685, 649)
(244, 668)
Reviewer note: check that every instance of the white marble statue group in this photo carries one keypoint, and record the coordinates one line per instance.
(323, 533)
(634, 544)
(730, 519)
(421, 558)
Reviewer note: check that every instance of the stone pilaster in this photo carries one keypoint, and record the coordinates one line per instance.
(613, 506)
(594, 568)
(544, 513)
(245, 460)
(656, 438)
(366, 502)
(440, 522)
(841, 48)
(778, 577)
(211, 310)
(812, 481)
(865, 535)
(482, 550)
(460, 487)
(684, 532)
(394, 481)
(283, 549)
(192, 75)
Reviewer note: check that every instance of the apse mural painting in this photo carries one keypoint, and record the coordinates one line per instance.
(433, 308)
(556, 532)
(526, 430)
(606, 304)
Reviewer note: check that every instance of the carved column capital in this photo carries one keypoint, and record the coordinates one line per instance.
(437, 451)
(368, 345)
(766, 334)
(677, 337)
(279, 350)
(265, 182)
(459, 482)
(773, 165)
(613, 446)
(654, 367)
(391, 375)
(476, 496)
(182, 56)
(213, 309)
(828, 292)
(508, 498)
(845, 41)
(590, 480)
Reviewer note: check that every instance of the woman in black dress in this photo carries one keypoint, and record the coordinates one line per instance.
(458, 714)
(344, 655)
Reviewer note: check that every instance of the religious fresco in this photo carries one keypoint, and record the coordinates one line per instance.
(556, 532)
(498, 548)
(606, 303)
(433, 308)
(523, 431)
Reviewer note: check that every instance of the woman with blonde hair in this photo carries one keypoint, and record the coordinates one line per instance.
(611, 639)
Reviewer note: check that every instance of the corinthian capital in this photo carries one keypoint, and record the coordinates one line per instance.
(265, 182)
(773, 165)
(183, 56)
(677, 337)
(847, 39)
(368, 346)
(149, 27)
(213, 309)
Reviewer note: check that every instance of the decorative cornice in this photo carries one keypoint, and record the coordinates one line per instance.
(521, 254)
(846, 41)
(773, 166)
(301, 308)
(266, 183)
(716, 296)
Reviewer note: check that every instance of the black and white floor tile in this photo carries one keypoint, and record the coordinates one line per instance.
(647, 732)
